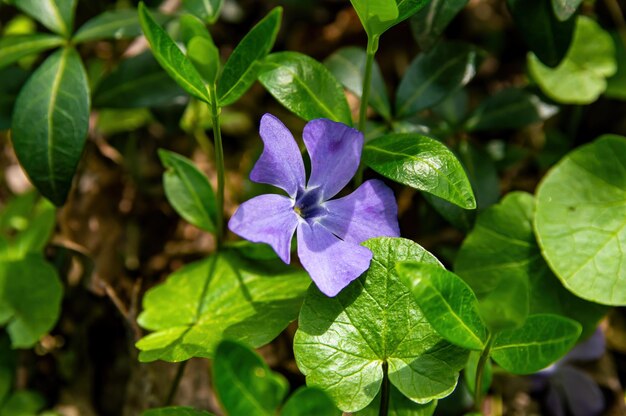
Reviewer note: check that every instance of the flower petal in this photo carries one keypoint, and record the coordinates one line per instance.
(280, 163)
(331, 262)
(267, 219)
(335, 151)
(370, 211)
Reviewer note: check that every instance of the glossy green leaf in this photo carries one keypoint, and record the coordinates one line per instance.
(502, 247)
(136, 83)
(244, 64)
(175, 411)
(348, 66)
(13, 78)
(342, 342)
(429, 23)
(542, 340)
(171, 58)
(407, 8)
(308, 401)
(511, 108)
(30, 299)
(546, 36)
(207, 10)
(224, 296)
(435, 75)
(188, 190)
(115, 24)
(581, 77)
(447, 302)
(56, 15)
(422, 163)
(13, 48)
(244, 383)
(305, 87)
(191, 26)
(581, 220)
(23, 403)
(376, 15)
(399, 405)
(564, 9)
(57, 95)
(205, 57)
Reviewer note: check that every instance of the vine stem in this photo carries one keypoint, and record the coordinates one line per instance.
(372, 46)
(384, 392)
(219, 162)
(478, 385)
(174, 388)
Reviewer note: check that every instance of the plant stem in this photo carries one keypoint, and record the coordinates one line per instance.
(478, 385)
(174, 388)
(219, 163)
(384, 392)
(372, 46)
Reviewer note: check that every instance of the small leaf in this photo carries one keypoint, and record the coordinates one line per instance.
(546, 36)
(305, 87)
(542, 340)
(13, 48)
(511, 108)
(225, 295)
(176, 411)
(207, 10)
(564, 9)
(171, 58)
(205, 57)
(430, 22)
(422, 163)
(435, 75)
(342, 342)
(348, 66)
(56, 15)
(243, 65)
(581, 220)
(376, 15)
(244, 383)
(57, 95)
(189, 191)
(447, 302)
(115, 24)
(308, 401)
(581, 77)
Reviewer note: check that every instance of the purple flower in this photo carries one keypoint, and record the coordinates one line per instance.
(329, 232)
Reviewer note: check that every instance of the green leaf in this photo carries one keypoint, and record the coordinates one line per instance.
(188, 190)
(176, 411)
(616, 84)
(205, 57)
(13, 78)
(244, 64)
(305, 87)
(23, 403)
(429, 23)
(207, 10)
(399, 405)
(348, 66)
(542, 340)
(564, 9)
(470, 372)
(30, 304)
(502, 247)
(447, 302)
(244, 383)
(223, 296)
(56, 15)
(137, 82)
(57, 95)
(407, 8)
(171, 58)
(544, 34)
(308, 401)
(435, 75)
(422, 163)
(376, 15)
(581, 77)
(581, 220)
(342, 342)
(115, 24)
(511, 108)
(13, 48)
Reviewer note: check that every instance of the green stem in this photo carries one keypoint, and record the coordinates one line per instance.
(174, 388)
(219, 163)
(372, 46)
(478, 385)
(384, 392)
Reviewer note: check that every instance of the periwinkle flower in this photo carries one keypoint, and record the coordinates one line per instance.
(329, 232)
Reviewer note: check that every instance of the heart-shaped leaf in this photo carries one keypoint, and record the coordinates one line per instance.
(13, 48)
(399, 405)
(581, 220)
(342, 342)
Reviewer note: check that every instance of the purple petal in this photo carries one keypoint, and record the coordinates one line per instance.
(370, 211)
(335, 151)
(280, 163)
(580, 391)
(267, 219)
(591, 349)
(331, 262)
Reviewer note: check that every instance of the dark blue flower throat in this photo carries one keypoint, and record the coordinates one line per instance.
(308, 203)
